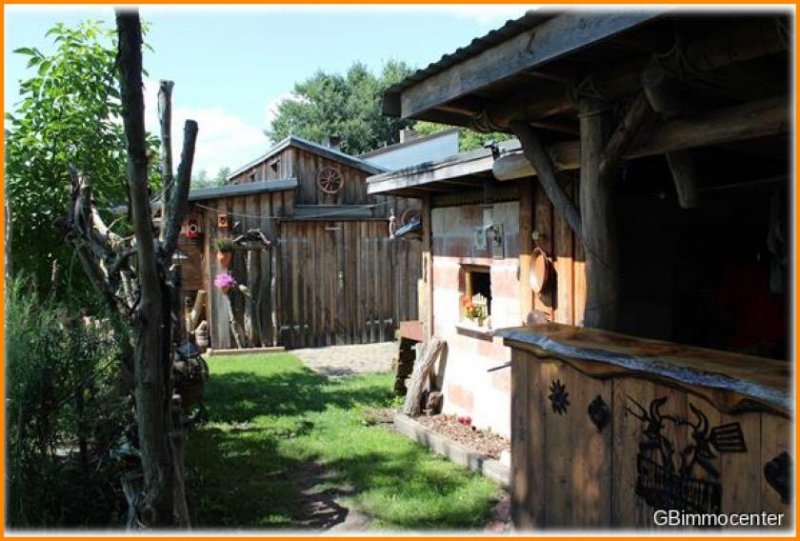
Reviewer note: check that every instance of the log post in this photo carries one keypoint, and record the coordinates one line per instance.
(665, 97)
(426, 297)
(273, 292)
(598, 220)
(252, 320)
(422, 367)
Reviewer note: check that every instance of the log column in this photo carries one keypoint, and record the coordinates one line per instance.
(426, 297)
(597, 220)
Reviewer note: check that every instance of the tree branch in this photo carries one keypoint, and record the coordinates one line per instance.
(130, 71)
(535, 153)
(165, 119)
(178, 202)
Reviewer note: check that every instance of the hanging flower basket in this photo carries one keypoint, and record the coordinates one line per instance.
(224, 282)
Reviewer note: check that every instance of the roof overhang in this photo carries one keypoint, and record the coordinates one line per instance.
(241, 190)
(520, 46)
(310, 146)
(468, 170)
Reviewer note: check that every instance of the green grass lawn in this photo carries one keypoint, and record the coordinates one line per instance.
(272, 423)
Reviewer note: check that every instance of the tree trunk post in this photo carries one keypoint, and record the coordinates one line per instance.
(152, 361)
(598, 220)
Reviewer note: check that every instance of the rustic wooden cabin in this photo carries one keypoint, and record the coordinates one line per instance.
(312, 248)
(648, 246)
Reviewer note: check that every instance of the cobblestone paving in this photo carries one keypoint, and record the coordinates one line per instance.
(345, 360)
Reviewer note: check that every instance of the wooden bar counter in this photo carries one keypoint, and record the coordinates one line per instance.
(607, 428)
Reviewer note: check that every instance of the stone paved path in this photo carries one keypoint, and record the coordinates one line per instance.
(345, 360)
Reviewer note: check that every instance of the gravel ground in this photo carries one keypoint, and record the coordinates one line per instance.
(477, 440)
(346, 360)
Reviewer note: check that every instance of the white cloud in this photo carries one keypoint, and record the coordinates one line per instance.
(223, 139)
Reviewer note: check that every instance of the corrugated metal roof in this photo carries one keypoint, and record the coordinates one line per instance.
(316, 148)
(238, 190)
(511, 28)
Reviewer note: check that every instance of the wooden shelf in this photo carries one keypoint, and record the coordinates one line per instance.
(481, 333)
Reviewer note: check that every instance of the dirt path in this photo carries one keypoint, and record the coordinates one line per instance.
(324, 503)
(346, 360)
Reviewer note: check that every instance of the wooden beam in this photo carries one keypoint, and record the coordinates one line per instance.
(613, 83)
(552, 38)
(763, 118)
(638, 115)
(684, 175)
(668, 101)
(739, 42)
(665, 93)
(535, 153)
(598, 221)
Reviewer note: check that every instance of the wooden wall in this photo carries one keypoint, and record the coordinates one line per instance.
(303, 165)
(251, 212)
(379, 275)
(344, 282)
(568, 474)
(563, 300)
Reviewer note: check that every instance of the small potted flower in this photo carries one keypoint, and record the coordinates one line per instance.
(224, 282)
(475, 309)
(224, 251)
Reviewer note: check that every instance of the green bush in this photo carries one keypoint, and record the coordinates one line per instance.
(65, 416)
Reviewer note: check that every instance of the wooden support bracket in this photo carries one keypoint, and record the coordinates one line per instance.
(664, 97)
(536, 154)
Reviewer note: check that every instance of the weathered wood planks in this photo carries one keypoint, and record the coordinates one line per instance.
(569, 474)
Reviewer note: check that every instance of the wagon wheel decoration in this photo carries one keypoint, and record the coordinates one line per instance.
(408, 216)
(330, 180)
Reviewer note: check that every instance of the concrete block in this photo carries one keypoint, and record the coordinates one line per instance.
(490, 468)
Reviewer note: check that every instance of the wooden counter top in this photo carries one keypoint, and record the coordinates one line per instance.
(733, 381)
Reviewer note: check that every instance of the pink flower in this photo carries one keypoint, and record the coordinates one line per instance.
(224, 280)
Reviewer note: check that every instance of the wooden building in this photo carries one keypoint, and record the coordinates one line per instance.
(648, 195)
(329, 271)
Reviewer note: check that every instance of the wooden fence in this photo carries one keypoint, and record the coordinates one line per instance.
(344, 282)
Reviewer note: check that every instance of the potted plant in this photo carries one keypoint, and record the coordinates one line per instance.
(475, 310)
(224, 251)
(224, 282)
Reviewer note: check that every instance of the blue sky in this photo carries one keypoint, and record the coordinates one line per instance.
(232, 65)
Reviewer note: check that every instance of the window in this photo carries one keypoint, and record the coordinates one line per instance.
(478, 282)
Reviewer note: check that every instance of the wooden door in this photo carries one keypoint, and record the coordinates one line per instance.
(343, 282)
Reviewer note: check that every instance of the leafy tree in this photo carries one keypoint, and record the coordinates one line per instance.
(467, 139)
(222, 175)
(69, 114)
(201, 179)
(348, 106)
